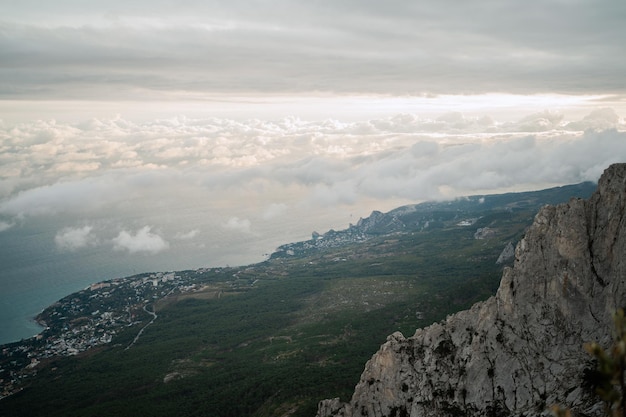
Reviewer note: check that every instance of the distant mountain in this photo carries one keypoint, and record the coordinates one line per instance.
(521, 350)
(430, 215)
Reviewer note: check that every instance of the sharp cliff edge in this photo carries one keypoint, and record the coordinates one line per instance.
(521, 350)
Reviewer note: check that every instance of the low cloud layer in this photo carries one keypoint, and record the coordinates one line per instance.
(251, 178)
(220, 155)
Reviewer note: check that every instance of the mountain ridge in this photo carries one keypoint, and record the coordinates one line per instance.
(521, 350)
(421, 216)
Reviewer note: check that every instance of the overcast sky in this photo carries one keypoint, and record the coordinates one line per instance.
(125, 49)
(115, 113)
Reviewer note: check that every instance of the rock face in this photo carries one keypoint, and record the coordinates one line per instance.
(521, 350)
(507, 254)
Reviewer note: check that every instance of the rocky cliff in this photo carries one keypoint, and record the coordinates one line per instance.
(521, 350)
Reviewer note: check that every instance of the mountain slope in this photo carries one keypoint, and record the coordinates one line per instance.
(427, 216)
(521, 350)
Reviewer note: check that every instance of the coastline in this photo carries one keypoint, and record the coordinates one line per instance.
(23, 328)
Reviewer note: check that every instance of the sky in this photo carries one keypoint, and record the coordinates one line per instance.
(138, 127)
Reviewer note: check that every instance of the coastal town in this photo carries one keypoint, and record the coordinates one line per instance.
(97, 314)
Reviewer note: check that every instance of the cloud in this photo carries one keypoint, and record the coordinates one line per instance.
(143, 241)
(539, 122)
(238, 225)
(339, 193)
(268, 169)
(604, 118)
(310, 46)
(72, 239)
(274, 210)
(5, 226)
(498, 163)
(75, 195)
(188, 235)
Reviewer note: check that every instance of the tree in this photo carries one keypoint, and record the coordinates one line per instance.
(611, 386)
(608, 377)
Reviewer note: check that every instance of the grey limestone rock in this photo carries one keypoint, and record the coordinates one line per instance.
(520, 351)
(507, 254)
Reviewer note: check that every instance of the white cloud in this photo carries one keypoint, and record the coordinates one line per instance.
(321, 165)
(604, 118)
(498, 163)
(74, 238)
(143, 241)
(306, 175)
(238, 225)
(539, 122)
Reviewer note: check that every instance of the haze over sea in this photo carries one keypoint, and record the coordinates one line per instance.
(35, 273)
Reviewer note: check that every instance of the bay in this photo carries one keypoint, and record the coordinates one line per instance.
(35, 272)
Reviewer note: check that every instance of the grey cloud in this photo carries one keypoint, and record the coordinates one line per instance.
(333, 195)
(187, 235)
(239, 225)
(5, 225)
(397, 48)
(310, 170)
(80, 195)
(274, 210)
(425, 149)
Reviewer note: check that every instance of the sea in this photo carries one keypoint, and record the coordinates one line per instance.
(34, 273)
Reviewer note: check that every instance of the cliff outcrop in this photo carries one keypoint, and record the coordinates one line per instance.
(521, 350)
